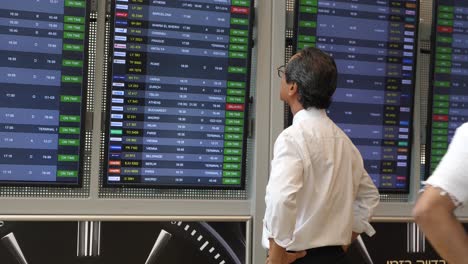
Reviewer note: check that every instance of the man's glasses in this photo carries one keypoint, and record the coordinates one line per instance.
(281, 70)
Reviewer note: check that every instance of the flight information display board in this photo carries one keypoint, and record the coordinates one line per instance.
(42, 73)
(449, 100)
(374, 46)
(178, 93)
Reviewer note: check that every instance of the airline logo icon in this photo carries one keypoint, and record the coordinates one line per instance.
(121, 14)
(121, 30)
(402, 164)
(120, 54)
(408, 61)
(406, 74)
(118, 93)
(117, 171)
(408, 47)
(116, 116)
(118, 84)
(407, 68)
(121, 22)
(117, 61)
(119, 77)
(115, 162)
(114, 147)
(114, 178)
(403, 136)
(118, 100)
(401, 178)
(120, 46)
(120, 38)
(408, 54)
(117, 124)
(117, 108)
(121, 7)
(403, 129)
(115, 155)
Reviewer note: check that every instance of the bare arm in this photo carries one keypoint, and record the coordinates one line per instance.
(279, 255)
(354, 236)
(434, 214)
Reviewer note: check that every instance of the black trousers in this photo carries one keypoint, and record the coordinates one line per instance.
(324, 255)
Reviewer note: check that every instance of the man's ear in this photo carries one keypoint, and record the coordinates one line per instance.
(292, 89)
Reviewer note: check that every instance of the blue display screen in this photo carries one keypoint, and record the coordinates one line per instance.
(178, 93)
(449, 100)
(374, 46)
(42, 73)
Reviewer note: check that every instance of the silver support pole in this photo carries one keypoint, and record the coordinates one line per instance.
(88, 239)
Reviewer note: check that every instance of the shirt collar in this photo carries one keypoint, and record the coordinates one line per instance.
(310, 112)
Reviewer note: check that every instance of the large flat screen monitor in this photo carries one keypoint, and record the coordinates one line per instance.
(449, 76)
(178, 94)
(42, 91)
(374, 46)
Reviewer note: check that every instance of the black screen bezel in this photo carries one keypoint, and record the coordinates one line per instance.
(411, 126)
(430, 101)
(84, 104)
(108, 87)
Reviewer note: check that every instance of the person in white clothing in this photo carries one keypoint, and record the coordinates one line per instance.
(445, 190)
(319, 196)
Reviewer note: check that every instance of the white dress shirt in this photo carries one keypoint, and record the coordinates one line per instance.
(451, 175)
(318, 191)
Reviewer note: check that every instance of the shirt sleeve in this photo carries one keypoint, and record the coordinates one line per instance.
(367, 199)
(286, 179)
(451, 174)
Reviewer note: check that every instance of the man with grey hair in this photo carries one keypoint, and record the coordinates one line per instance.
(319, 196)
